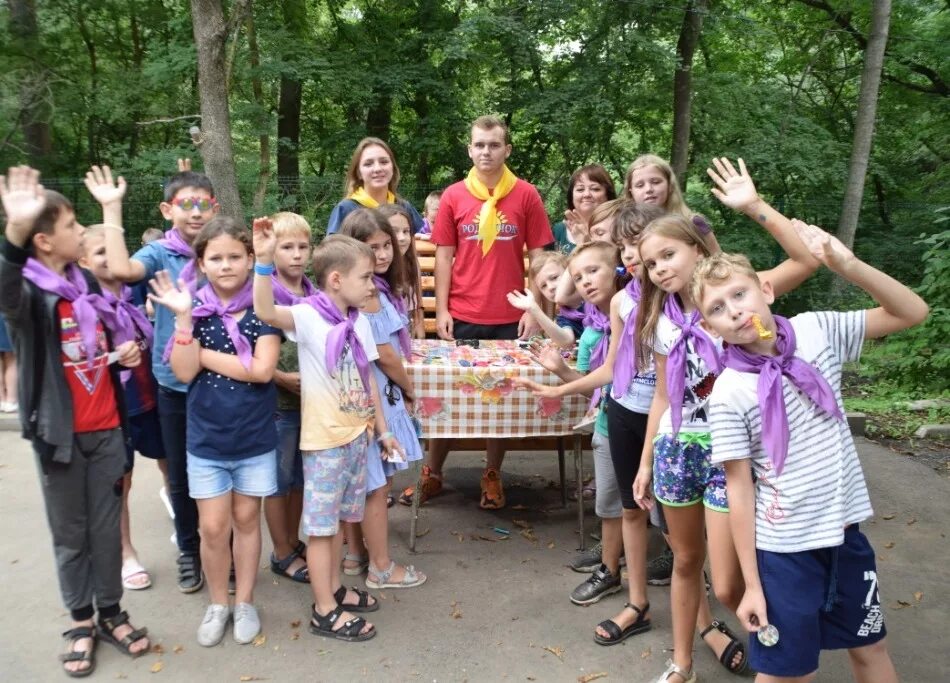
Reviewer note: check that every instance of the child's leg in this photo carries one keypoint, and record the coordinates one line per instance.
(276, 507)
(173, 420)
(323, 573)
(872, 663)
(375, 528)
(355, 547)
(634, 532)
(163, 468)
(727, 582)
(688, 543)
(215, 523)
(9, 377)
(294, 512)
(246, 511)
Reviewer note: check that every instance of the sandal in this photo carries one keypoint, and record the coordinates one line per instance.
(735, 646)
(363, 605)
(132, 568)
(322, 625)
(72, 636)
(362, 562)
(410, 579)
(280, 567)
(431, 486)
(618, 635)
(671, 668)
(108, 626)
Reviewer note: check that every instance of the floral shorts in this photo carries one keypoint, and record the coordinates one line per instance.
(683, 475)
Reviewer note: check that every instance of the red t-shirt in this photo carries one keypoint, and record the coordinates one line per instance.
(90, 384)
(480, 283)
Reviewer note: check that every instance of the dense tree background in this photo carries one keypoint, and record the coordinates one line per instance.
(116, 82)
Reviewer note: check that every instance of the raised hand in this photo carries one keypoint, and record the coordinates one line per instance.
(548, 356)
(523, 301)
(825, 247)
(265, 241)
(101, 186)
(735, 190)
(177, 299)
(23, 200)
(184, 165)
(577, 226)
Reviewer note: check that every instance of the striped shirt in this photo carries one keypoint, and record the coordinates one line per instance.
(821, 490)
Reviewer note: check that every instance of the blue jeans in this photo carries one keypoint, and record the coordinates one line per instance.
(173, 418)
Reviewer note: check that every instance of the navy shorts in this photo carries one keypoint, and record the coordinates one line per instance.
(145, 436)
(825, 599)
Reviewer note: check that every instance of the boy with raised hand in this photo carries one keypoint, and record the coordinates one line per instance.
(188, 203)
(71, 408)
(777, 410)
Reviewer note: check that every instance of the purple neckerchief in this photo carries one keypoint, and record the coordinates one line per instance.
(769, 388)
(596, 319)
(211, 305)
(173, 241)
(676, 361)
(625, 364)
(285, 297)
(404, 341)
(130, 321)
(575, 315)
(88, 308)
(342, 334)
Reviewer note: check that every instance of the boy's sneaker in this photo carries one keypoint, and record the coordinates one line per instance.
(213, 625)
(587, 561)
(190, 578)
(600, 584)
(246, 623)
(660, 569)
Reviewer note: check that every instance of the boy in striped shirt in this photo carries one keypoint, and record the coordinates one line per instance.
(776, 409)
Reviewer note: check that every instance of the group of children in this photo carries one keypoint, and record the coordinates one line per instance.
(699, 389)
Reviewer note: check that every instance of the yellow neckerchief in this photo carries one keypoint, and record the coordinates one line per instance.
(361, 196)
(488, 217)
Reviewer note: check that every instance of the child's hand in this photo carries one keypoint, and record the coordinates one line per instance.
(735, 190)
(523, 301)
(176, 299)
(23, 200)
(577, 227)
(642, 491)
(539, 390)
(823, 246)
(184, 165)
(102, 188)
(752, 610)
(548, 356)
(129, 354)
(391, 450)
(265, 241)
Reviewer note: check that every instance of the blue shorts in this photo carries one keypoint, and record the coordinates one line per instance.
(683, 474)
(255, 476)
(289, 459)
(825, 599)
(145, 436)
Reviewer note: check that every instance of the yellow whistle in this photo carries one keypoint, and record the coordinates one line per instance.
(760, 328)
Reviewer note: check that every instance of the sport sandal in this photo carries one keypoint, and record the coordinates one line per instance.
(364, 604)
(322, 625)
(281, 567)
(72, 636)
(107, 627)
(377, 579)
(642, 624)
(671, 668)
(735, 647)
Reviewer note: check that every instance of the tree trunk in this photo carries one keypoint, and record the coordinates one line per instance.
(263, 172)
(216, 151)
(288, 112)
(864, 123)
(33, 97)
(682, 86)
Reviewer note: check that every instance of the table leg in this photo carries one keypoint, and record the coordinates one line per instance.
(560, 469)
(579, 477)
(414, 510)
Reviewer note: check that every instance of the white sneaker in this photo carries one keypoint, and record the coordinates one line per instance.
(8, 407)
(163, 494)
(213, 625)
(246, 623)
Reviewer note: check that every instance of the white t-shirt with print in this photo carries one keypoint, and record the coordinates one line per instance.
(639, 394)
(821, 489)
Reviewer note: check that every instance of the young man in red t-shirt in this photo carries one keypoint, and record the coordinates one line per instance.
(484, 225)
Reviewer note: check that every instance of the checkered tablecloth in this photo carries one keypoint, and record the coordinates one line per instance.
(464, 392)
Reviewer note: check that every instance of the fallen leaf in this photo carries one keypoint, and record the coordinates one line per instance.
(591, 677)
(521, 507)
(646, 653)
(551, 545)
(260, 640)
(529, 534)
(14, 561)
(889, 545)
(918, 596)
(900, 604)
(913, 520)
(555, 650)
(178, 649)
(420, 534)
(121, 677)
(889, 515)
(295, 636)
(531, 678)
(295, 623)
(522, 523)
(157, 666)
(252, 678)
(158, 649)
(456, 610)
(459, 535)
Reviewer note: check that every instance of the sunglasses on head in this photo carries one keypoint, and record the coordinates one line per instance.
(189, 203)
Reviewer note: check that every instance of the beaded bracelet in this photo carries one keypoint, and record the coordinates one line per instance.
(184, 342)
(113, 226)
(265, 269)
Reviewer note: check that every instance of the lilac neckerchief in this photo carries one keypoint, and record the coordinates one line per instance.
(130, 321)
(575, 315)
(404, 341)
(88, 309)
(676, 361)
(769, 387)
(596, 319)
(625, 364)
(173, 241)
(342, 334)
(285, 297)
(211, 305)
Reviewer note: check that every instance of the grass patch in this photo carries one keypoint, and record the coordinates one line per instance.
(886, 405)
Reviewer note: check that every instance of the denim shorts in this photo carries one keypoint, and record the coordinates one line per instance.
(289, 459)
(255, 476)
